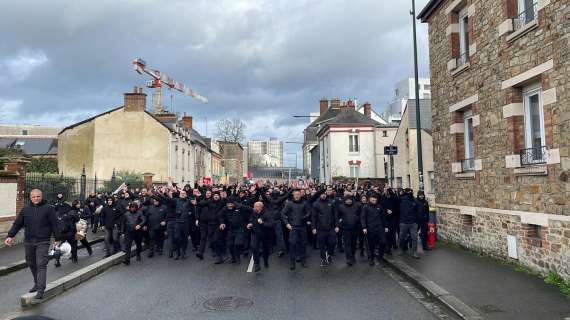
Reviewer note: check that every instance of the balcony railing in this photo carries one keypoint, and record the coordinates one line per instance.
(467, 165)
(525, 17)
(532, 156)
(463, 59)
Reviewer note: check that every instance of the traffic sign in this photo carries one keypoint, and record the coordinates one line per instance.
(391, 150)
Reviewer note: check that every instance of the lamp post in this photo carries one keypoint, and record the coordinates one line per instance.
(417, 90)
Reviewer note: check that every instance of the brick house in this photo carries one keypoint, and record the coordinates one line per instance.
(501, 127)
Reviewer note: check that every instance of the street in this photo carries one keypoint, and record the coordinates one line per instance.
(161, 288)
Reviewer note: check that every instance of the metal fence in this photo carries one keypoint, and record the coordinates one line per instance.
(72, 187)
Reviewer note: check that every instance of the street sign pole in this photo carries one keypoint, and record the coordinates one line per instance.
(418, 121)
(392, 171)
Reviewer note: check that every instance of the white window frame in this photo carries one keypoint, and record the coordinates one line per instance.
(527, 94)
(354, 170)
(463, 36)
(353, 143)
(431, 176)
(468, 118)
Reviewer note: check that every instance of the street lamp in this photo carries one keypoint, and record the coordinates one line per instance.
(418, 121)
(290, 167)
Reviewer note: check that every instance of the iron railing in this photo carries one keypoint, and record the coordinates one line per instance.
(463, 59)
(526, 17)
(535, 155)
(467, 165)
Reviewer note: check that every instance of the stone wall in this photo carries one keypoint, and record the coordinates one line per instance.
(486, 232)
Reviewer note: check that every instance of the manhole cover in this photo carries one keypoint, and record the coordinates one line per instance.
(227, 303)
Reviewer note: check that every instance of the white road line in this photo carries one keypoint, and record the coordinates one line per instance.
(250, 267)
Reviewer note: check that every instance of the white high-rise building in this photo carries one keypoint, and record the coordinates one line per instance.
(265, 153)
(403, 91)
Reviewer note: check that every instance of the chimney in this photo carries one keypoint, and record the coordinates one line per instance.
(350, 104)
(187, 122)
(324, 105)
(135, 101)
(368, 110)
(335, 103)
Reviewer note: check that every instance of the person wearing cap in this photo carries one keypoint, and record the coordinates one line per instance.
(156, 224)
(374, 227)
(133, 222)
(409, 223)
(423, 218)
(349, 219)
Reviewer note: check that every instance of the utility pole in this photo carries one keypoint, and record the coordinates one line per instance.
(418, 121)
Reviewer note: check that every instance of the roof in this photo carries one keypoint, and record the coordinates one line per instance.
(348, 117)
(89, 119)
(425, 113)
(429, 9)
(31, 146)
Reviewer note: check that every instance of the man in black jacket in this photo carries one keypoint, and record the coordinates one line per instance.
(261, 223)
(374, 226)
(409, 222)
(208, 223)
(295, 215)
(233, 219)
(39, 222)
(182, 228)
(324, 222)
(156, 224)
(423, 218)
(111, 218)
(349, 219)
(273, 204)
(133, 221)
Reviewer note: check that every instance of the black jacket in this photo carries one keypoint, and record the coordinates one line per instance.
(66, 220)
(111, 216)
(423, 210)
(295, 213)
(324, 216)
(235, 219)
(408, 210)
(373, 218)
(209, 211)
(39, 222)
(133, 219)
(349, 216)
(154, 216)
(266, 225)
(274, 204)
(183, 211)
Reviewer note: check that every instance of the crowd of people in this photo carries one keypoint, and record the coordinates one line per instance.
(234, 221)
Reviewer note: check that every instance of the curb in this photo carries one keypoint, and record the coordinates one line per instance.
(19, 265)
(457, 306)
(71, 280)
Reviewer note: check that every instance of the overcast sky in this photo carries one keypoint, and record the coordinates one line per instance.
(262, 61)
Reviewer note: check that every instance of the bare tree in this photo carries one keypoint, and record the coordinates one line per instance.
(230, 130)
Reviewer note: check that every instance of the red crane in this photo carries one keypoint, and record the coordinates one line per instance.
(158, 80)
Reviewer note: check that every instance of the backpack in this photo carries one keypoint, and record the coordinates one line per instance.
(63, 224)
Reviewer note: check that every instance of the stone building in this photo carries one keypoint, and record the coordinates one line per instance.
(501, 127)
(130, 138)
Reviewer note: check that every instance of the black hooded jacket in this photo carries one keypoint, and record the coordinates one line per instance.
(324, 216)
(39, 222)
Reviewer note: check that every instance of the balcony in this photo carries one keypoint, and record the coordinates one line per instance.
(526, 17)
(534, 156)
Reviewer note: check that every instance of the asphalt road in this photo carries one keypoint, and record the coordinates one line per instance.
(161, 288)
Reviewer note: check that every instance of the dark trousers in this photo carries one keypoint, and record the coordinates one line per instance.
(339, 241)
(94, 222)
(156, 240)
(182, 232)
(207, 235)
(326, 240)
(131, 236)
(391, 235)
(235, 242)
(260, 246)
(112, 243)
(220, 244)
(423, 234)
(171, 233)
(297, 243)
(195, 235)
(412, 231)
(279, 239)
(361, 241)
(349, 237)
(37, 259)
(375, 242)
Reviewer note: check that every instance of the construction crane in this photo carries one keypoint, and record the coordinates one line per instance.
(158, 80)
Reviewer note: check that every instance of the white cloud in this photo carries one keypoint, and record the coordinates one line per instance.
(19, 67)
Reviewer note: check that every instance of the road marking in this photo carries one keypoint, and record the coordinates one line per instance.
(250, 267)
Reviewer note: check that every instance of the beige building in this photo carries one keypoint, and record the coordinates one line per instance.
(405, 163)
(232, 161)
(132, 139)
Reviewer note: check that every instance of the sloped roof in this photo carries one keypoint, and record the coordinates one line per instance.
(31, 146)
(348, 116)
(429, 9)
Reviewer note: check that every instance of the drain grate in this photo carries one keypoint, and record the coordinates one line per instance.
(227, 303)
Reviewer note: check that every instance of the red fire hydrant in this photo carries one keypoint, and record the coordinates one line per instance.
(431, 236)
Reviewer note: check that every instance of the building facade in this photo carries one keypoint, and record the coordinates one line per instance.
(232, 161)
(265, 153)
(129, 138)
(501, 127)
(405, 90)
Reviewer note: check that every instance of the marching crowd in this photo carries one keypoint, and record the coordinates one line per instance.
(231, 222)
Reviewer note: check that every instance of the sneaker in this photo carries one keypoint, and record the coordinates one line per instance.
(323, 263)
(415, 255)
(256, 268)
(39, 295)
(127, 262)
(33, 289)
(57, 264)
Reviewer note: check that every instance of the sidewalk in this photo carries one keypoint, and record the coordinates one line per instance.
(494, 290)
(13, 259)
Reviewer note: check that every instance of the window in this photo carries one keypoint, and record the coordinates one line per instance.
(409, 181)
(463, 38)
(353, 145)
(398, 182)
(431, 181)
(183, 162)
(427, 86)
(24, 132)
(468, 164)
(527, 12)
(384, 133)
(534, 133)
(176, 157)
(354, 171)
(427, 95)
